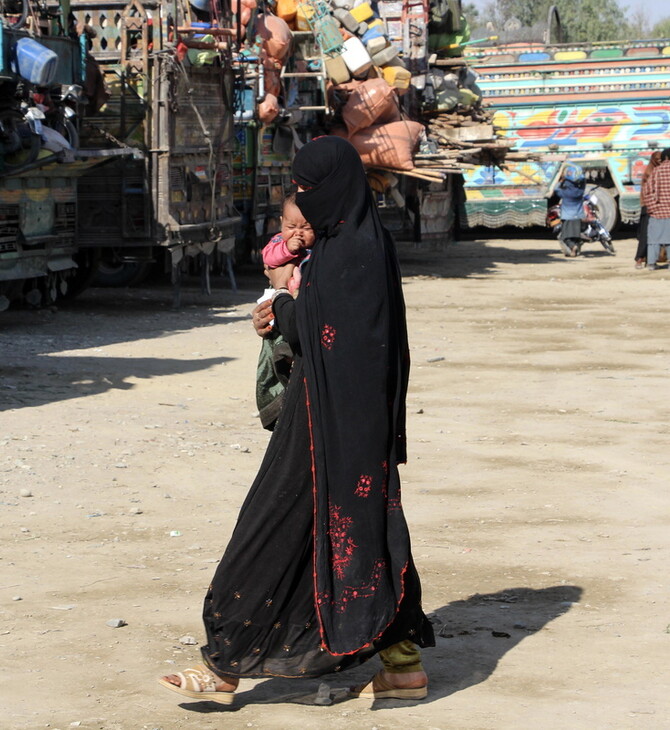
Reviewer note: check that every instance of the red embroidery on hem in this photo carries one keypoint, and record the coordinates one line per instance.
(372, 641)
(367, 590)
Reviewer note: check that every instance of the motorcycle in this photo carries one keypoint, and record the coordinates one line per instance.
(592, 228)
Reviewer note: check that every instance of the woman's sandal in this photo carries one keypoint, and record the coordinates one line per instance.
(199, 683)
(379, 689)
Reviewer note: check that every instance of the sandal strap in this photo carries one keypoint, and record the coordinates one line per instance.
(197, 679)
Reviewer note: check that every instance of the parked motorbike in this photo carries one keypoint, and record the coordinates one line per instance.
(592, 228)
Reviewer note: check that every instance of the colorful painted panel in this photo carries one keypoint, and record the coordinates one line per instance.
(624, 126)
(523, 178)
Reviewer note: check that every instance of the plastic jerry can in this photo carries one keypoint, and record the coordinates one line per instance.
(467, 98)
(376, 45)
(344, 4)
(356, 56)
(362, 12)
(362, 29)
(398, 77)
(336, 70)
(303, 12)
(34, 62)
(346, 19)
(385, 56)
(371, 33)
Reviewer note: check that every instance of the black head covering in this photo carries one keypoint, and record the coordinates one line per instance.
(351, 321)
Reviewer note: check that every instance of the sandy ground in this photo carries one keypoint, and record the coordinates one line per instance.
(536, 492)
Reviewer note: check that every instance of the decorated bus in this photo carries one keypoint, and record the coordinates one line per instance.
(606, 106)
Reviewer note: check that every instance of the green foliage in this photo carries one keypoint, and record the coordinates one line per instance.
(661, 29)
(471, 12)
(593, 20)
(582, 20)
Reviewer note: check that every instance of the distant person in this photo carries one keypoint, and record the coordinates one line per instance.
(571, 192)
(643, 225)
(657, 199)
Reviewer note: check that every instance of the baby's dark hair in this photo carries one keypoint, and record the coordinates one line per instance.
(288, 198)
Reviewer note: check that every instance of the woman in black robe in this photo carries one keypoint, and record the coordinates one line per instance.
(318, 575)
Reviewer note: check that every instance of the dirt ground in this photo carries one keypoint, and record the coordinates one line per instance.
(536, 492)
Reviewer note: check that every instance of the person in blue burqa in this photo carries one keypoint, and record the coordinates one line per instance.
(570, 190)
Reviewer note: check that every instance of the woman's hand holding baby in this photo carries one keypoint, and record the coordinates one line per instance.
(279, 277)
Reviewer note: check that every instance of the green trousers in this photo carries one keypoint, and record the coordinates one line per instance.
(401, 658)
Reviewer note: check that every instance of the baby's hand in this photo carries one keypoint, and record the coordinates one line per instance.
(294, 244)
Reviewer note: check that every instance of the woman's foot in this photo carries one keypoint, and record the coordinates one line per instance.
(640, 263)
(201, 684)
(406, 680)
(394, 686)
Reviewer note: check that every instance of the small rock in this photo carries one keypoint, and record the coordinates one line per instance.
(17, 598)
(116, 623)
(435, 359)
(121, 465)
(135, 511)
(188, 641)
(25, 529)
(323, 695)
(26, 492)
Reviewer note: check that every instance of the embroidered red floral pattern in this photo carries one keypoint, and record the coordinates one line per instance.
(342, 544)
(364, 485)
(328, 336)
(367, 590)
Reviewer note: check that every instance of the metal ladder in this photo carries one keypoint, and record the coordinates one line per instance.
(318, 77)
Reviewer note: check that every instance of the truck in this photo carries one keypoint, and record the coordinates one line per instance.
(167, 71)
(41, 76)
(116, 139)
(605, 106)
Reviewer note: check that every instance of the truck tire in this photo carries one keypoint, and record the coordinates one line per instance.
(122, 273)
(82, 277)
(608, 210)
(10, 292)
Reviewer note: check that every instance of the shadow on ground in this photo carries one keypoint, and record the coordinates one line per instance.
(56, 378)
(472, 636)
(477, 253)
(41, 348)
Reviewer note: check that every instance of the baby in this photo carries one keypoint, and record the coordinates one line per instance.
(291, 245)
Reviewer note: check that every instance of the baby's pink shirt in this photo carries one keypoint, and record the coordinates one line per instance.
(276, 253)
